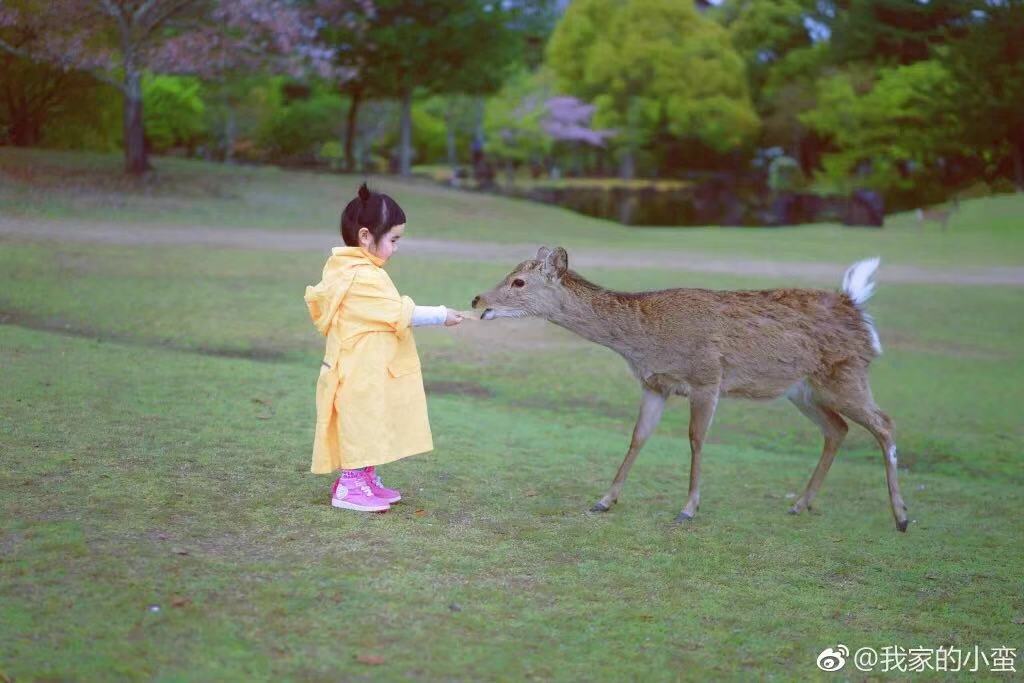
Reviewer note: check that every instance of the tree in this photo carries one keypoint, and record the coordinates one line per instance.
(118, 40)
(764, 32)
(774, 37)
(986, 68)
(31, 95)
(460, 114)
(921, 92)
(429, 46)
(889, 132)
(176, 114)
(299, 125)
(894, 32)
(527, 120)
(568, 119)
(653, 68)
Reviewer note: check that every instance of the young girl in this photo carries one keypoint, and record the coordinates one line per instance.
(370, 405)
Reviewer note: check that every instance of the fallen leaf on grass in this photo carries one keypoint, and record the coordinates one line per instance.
(1019, 620)
(267, 405)
(179, 601)
(530, 493)
(421, 513)
(369, 659)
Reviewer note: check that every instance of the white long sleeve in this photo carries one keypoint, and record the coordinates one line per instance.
(429, 315)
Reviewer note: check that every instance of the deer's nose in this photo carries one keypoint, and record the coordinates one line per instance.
(476, 300)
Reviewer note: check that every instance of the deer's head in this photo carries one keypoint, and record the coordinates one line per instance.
(533, 288)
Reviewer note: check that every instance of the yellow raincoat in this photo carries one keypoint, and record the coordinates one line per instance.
(370, 405)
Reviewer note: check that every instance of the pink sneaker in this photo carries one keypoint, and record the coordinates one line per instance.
(351, 492)
(378, 488)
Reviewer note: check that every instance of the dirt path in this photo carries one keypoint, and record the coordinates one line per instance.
(510, 254)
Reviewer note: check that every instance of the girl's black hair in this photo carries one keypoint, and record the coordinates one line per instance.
(377, 212)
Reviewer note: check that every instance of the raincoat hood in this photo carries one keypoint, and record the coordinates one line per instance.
(324, 298)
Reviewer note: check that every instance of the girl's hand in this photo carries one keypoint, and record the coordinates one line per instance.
(454, 318)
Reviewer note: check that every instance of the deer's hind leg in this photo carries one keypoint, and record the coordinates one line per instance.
(833, 428)
(652, 404)
(850, 395)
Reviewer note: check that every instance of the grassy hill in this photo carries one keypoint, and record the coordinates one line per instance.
(158, 521)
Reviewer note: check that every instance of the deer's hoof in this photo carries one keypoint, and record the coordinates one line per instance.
(599, 507)
(683, 517)
(902, 526)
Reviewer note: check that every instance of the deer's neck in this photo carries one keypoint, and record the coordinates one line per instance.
(601, 316)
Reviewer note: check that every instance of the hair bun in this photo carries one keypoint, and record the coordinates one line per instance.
(364, 192)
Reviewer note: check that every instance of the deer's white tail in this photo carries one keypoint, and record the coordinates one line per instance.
(859, 285)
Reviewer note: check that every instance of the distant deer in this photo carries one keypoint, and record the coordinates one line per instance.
(811, 346)
(940, 216)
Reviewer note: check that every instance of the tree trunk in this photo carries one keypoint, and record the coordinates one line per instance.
(452, 161)
(230, 131)
(136, 161)
(350, 128)
(627, 165)
(449, 121)
(24, 122)
(1017, 150)
(24, 126)
(405, 137)
(358, 157)
(23, 133)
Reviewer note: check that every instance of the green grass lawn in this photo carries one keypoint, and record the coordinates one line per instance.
(156, 420)
(91, 187)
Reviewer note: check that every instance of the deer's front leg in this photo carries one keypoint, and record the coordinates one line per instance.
(652, 404)
(703, 401)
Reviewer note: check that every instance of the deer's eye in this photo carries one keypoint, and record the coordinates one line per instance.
(518, 283)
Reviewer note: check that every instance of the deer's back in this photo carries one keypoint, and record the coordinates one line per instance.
(758, 342)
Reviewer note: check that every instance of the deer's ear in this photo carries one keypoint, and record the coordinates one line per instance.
(542, 253)
(556, 263)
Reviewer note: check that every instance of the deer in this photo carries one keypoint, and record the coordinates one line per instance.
(811, 346)
(940, 216)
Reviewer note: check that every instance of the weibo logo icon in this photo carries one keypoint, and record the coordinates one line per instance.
(833, 659)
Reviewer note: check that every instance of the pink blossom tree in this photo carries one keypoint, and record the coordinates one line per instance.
(118, 40)
(568, 119)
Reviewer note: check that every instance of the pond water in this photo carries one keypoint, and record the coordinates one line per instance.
(707, 203)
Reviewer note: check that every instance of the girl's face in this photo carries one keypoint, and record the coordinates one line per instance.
(386, 247)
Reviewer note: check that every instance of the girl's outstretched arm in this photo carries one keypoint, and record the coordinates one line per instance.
(429, 315)
(435, 315)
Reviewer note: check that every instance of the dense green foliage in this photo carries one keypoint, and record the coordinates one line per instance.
(175, 112)
(299, 125)
(656, 70)
(512, 119)
(890, 135)
(916, 99)
(41, 105)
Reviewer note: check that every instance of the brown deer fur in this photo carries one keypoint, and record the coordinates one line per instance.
(811, 346)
